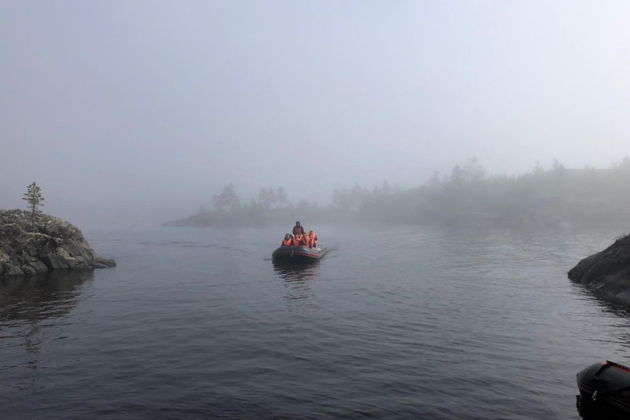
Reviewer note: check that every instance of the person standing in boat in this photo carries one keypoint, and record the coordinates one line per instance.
(298, 229)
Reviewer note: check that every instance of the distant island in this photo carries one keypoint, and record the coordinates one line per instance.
(607, 272)
(468, 196)
(50, 243)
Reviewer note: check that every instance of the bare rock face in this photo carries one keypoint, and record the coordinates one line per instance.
(607, 271)
(53, 244)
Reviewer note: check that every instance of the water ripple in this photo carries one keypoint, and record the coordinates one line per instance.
(417, 322)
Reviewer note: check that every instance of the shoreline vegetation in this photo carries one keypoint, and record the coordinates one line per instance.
(554, 197)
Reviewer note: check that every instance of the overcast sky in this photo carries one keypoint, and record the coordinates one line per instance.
(142, 110)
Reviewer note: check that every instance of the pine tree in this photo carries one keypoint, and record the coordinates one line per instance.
(227, 200)
(34, 197)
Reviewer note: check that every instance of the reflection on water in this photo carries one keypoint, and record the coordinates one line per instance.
(297, 277)
(607, 303)
(27, 304)
(617, 307)
(40, 297)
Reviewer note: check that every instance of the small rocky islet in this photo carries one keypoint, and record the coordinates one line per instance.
(48, 244)
(607, 272)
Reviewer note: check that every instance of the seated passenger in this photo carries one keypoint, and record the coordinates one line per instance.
(288, 240)
(312, 239)
(300, 240)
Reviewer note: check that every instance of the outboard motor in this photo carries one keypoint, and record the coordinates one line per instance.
(604, 391)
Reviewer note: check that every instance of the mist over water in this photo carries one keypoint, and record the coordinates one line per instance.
(139, 113)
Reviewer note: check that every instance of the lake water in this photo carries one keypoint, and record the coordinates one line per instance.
(395, 322)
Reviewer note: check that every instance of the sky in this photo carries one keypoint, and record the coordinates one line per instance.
(139, 112)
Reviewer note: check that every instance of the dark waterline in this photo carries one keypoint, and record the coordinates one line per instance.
(395, 322)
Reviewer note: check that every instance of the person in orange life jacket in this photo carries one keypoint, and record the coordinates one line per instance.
(288, 240)
(298, 229)
(307, 236)
(300, 240)
(311, 239)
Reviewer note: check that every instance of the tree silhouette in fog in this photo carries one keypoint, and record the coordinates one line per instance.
(227, 199)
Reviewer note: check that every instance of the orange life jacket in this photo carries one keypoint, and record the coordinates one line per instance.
(300, 240)
(312, 239)
(287, 242)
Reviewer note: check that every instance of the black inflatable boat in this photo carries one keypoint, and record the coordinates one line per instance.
(604, 391)
(298, 253)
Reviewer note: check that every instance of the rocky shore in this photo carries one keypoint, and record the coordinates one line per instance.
(53, 244)
(608, 271)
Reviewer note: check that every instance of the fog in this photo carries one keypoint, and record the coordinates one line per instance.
(139, 112)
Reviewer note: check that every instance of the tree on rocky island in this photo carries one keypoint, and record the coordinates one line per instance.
(281, 197)
(34, 197)
(227, 200)
(273, 198)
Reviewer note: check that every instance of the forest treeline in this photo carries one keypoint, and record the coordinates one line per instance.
(554, 196)
(542, 197)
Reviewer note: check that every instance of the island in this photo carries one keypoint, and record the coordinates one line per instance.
(607, 272)
(49, 243)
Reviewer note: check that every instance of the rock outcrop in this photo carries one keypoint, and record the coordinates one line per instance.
(53, 244)
(607, 271)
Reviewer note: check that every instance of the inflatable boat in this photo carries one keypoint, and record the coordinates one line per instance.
(604, 391)
(298, 253)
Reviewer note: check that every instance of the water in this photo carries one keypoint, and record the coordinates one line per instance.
(395, 322)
